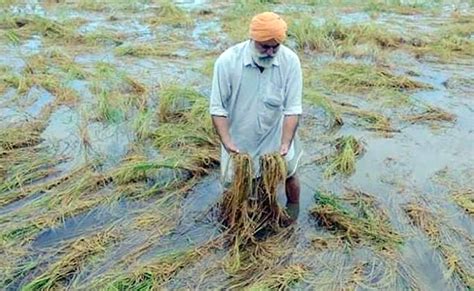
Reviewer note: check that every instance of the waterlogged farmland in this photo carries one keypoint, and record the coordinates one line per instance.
(109, 165)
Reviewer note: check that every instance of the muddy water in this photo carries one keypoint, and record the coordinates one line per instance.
(399, 169)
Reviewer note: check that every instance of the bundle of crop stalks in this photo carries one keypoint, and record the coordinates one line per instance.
(465, 199)
(249, 211)
(250, 204)
(428, 222)
(360, 222)
(347, 150)
(431, 113)
(348, 77)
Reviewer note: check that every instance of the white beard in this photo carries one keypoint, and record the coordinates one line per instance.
(261, 60)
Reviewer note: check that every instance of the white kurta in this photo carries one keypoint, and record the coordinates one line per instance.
(255, 102)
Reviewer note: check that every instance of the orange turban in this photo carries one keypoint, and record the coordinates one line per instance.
(266, 26)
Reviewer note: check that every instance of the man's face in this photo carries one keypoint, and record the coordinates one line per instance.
(266, 49)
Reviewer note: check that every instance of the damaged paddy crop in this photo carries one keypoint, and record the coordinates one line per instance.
(109, 162)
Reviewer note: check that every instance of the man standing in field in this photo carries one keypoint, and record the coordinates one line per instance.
(256, 99)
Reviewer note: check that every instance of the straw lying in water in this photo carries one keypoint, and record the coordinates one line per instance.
(364, 224)
(281, 278)
(369, 119)
(75, 255)
(153, 275)
(347, 77)
(430, 114)
(465, 199)
(428, 222)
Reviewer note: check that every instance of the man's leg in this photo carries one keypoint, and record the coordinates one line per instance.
(292, 189)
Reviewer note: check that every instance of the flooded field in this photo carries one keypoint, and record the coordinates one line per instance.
(109, 165)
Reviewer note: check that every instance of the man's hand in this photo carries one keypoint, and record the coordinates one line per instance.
(231, 148)
(290, 123)
(221, 125)
(284, 149)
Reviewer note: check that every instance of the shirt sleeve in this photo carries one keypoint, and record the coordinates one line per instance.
(220, 92)
(294, 88)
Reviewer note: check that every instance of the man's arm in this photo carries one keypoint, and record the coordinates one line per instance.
(292, 105)
(290, 124)
(221, 124)
(220, 93)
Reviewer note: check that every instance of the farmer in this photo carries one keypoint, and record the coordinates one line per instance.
(256, 99)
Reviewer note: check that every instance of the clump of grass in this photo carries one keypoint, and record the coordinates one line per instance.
(309, 36)
(430, 114)
(66, 63)
(170, 14)
(322, 101)
(281, 279)
(101, 36)
(347, 77)
(108, 78)
(30, 168)
(135, 168)
(20, 136)
(428, 223)
(32, 24)
(465, 199)
(451, 41)
(158, 49)
(333, 36)
(185, 125)
(369, 119)
(364, 224)
(143, 125)
(70, 264)
(207, 68)
(348, 149)
(48, 70)
(174, 136)
(107, 110)
(175, 101)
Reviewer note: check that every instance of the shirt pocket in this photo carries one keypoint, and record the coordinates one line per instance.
(271, 110)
